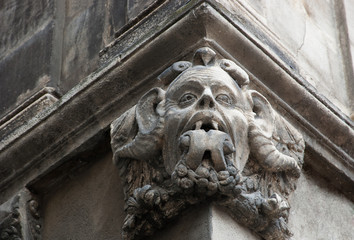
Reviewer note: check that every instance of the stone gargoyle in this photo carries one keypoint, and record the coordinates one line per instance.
(206, 137)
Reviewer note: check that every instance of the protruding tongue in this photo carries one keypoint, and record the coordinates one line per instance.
(212, 145)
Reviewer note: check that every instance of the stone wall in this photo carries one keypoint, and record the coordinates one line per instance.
(318, 211)
(62, 41)
(89, 205)
(314, 33)
(52, 43)
(69, 68)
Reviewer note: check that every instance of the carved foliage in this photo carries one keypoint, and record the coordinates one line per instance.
(21, 218)
(207, 137)
(10, 227)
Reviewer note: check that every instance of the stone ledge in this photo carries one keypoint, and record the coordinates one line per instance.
(83, 115)
(17, 122)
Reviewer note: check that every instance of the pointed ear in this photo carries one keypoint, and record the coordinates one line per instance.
(138, 132)
(264, 115)
(148, 110)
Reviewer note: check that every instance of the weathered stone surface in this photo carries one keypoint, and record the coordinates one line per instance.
(82, 115)
(310, 32)
(10, 225)
(327, 211)
(20, 20)
(58, 41)
(20, 217)
(25, 70)
(318, 211)
(348, 19)
(349, 8)
(193, 224)
(88, 205)
(224, 227)
(207, 222)
(88, 27)
(134, 7)
(220, 142)
(10, 127)
(88, 109)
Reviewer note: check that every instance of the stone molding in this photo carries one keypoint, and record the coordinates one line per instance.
(82, 116)
(18, 122)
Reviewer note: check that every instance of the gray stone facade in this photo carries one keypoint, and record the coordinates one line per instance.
(68, 69)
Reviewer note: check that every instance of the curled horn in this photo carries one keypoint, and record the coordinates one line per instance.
(237, 73)
(137, 134)
(167, 76)
(261, 129)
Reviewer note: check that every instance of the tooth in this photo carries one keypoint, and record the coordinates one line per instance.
(198, 125)
(185, 141)
(228, 147)
(215, 125)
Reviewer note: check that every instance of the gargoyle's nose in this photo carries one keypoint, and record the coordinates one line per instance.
(207, 100)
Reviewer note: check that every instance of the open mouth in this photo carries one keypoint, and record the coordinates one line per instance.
(205, 121)
(206, 139)
(206, 126)
(207, 155)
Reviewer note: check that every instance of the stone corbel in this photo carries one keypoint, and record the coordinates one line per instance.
(206, 136)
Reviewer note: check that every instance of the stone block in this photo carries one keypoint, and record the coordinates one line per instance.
(226, 228)
(89, 26)
(349, 9)
(309, 32)
(135, 7)
(64, 47)
(88, 206)
(318, 211)
(14, 125)
(193, 224)
(206, 222)
(20, 20)
(24, 71)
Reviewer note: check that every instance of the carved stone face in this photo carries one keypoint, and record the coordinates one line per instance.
(205, 118)
(206, 127)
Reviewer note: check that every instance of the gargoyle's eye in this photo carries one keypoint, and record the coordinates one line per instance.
(187, 99)
(224, 99)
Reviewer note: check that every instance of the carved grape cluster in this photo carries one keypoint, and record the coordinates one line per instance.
(143, 202)
(206, 180)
